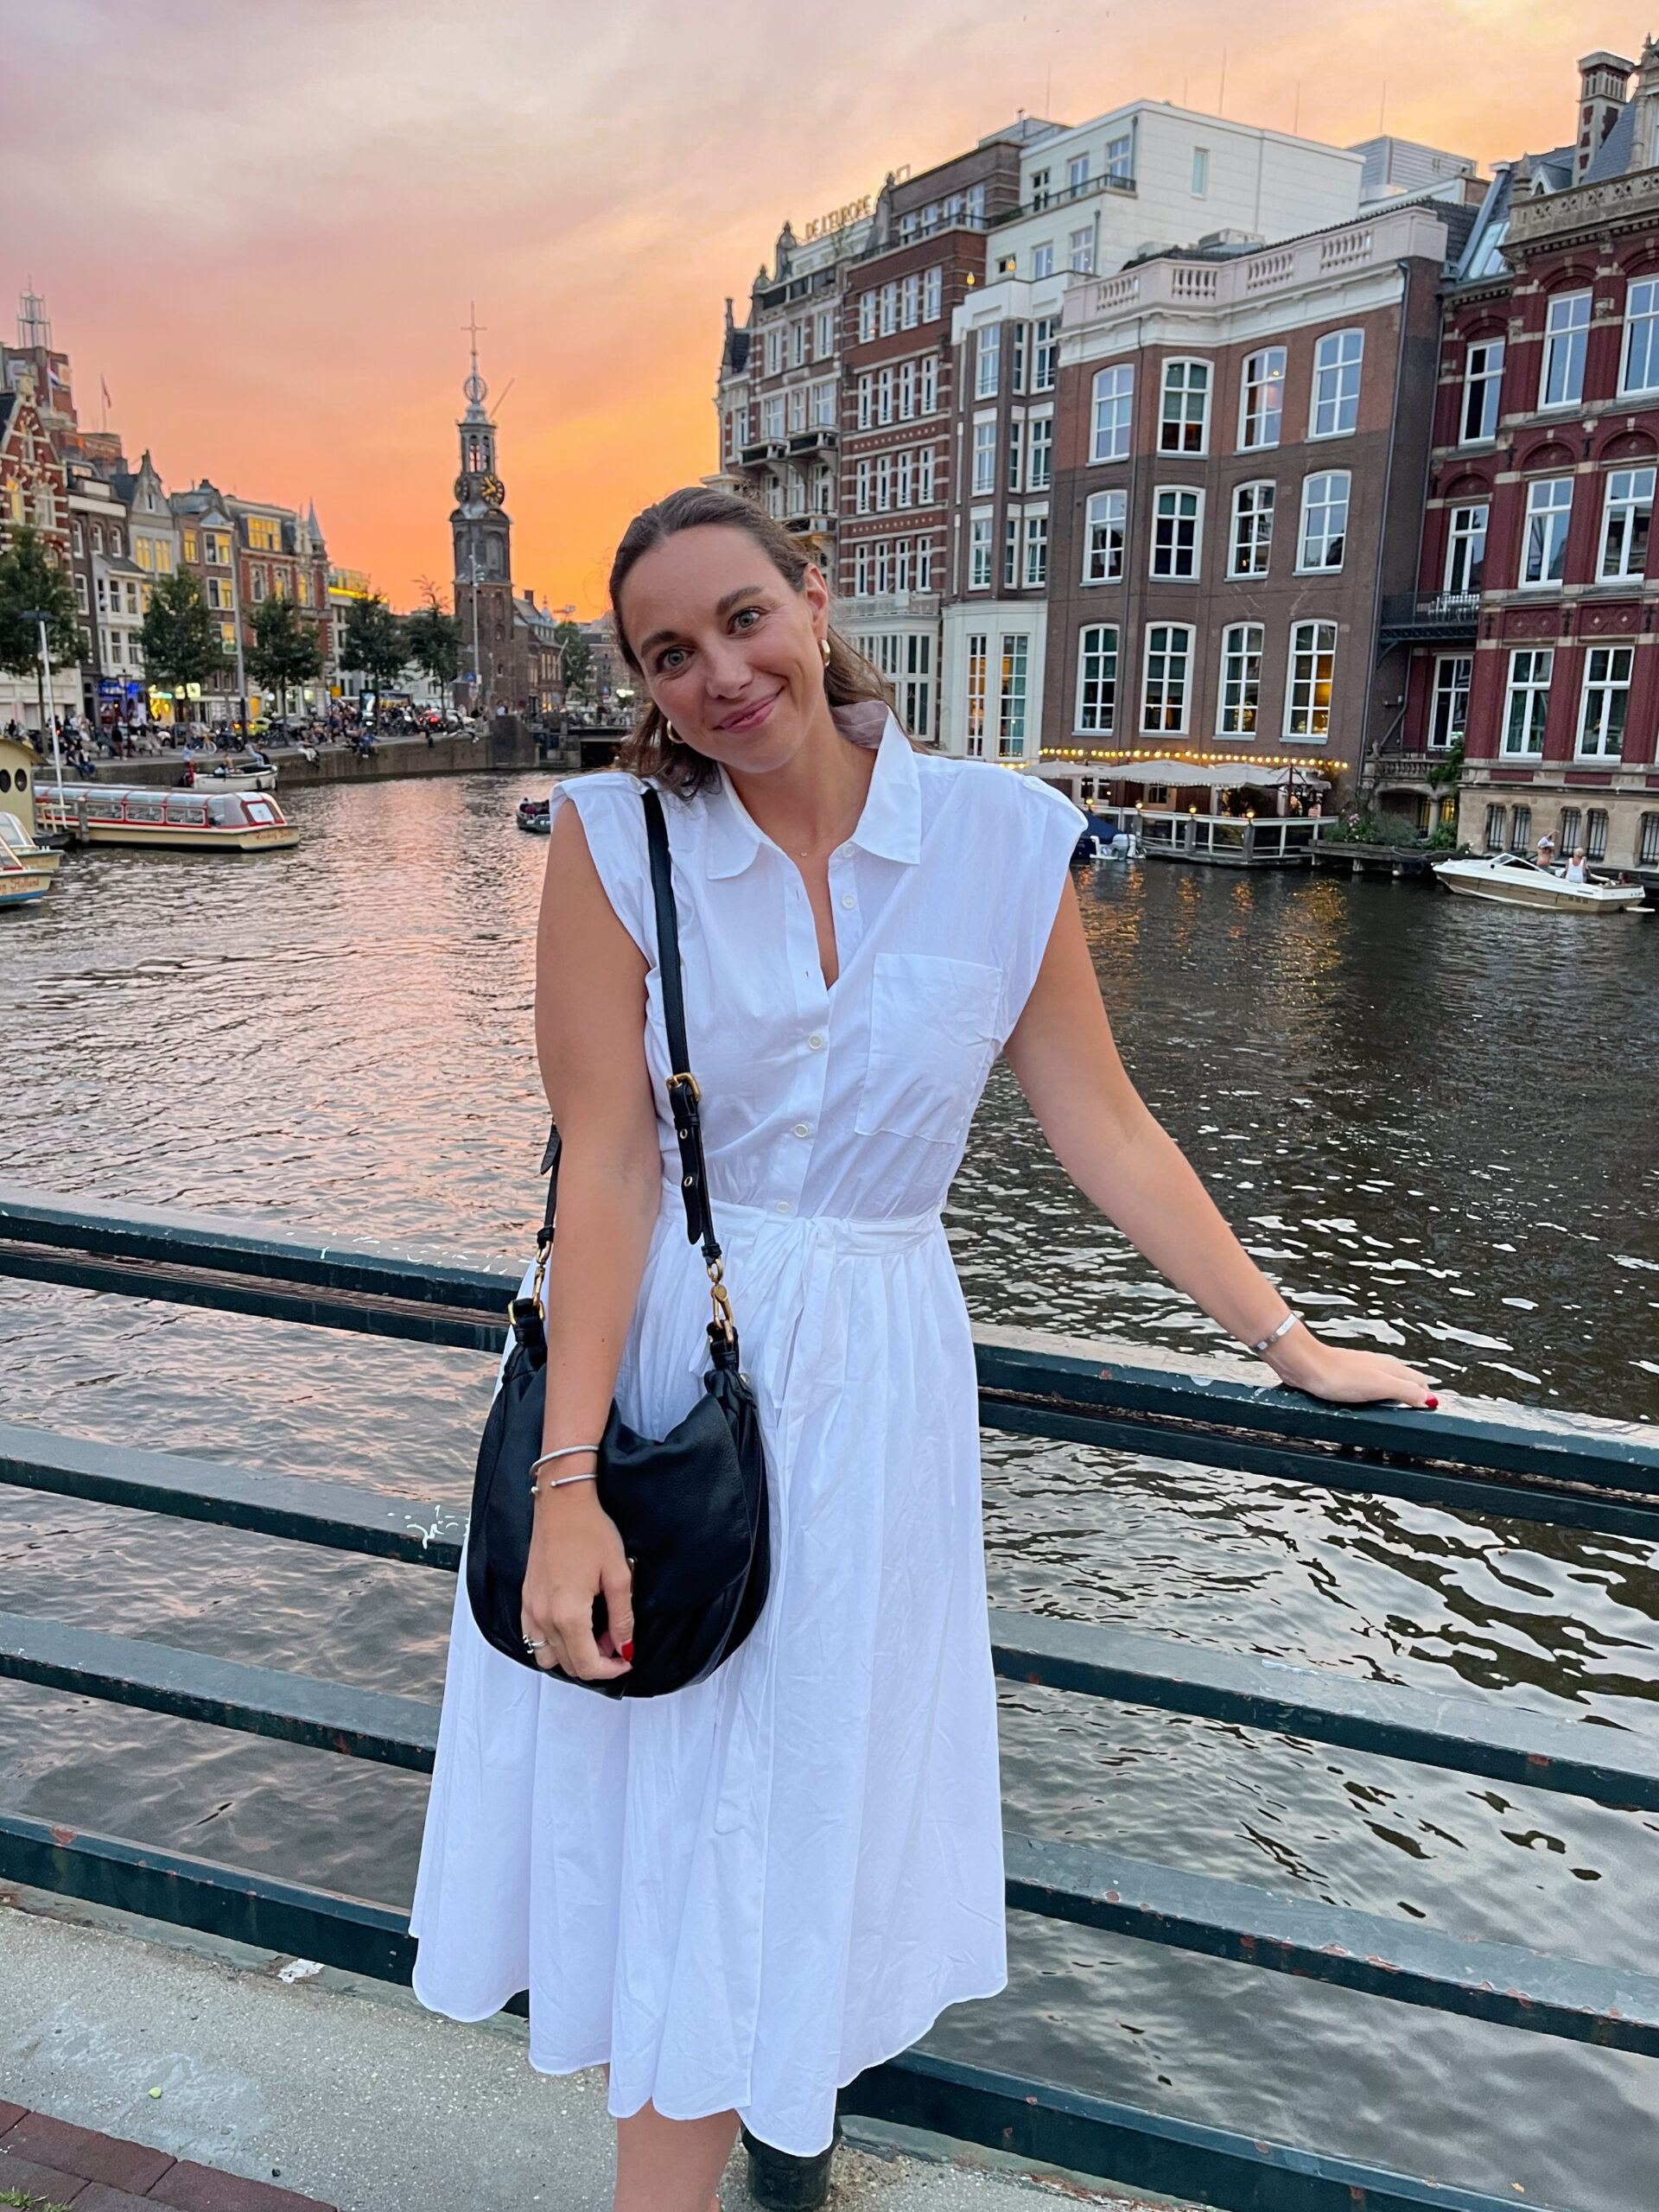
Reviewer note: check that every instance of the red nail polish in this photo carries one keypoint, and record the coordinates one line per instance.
(1431, 1405)
(627, 1651)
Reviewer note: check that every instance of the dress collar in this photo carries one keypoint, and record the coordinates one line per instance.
(890, 826)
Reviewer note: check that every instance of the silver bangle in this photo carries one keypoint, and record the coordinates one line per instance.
(1273, 1335)
(560, 1482)
(564, 1451)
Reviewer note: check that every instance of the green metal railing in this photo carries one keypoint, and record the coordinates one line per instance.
(1579, 1474)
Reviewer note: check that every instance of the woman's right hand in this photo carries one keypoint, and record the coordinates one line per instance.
(575, 1555)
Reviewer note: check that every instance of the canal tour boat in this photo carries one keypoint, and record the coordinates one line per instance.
(536, 815)
(26, 867)
(1517, 879)
(201, 818)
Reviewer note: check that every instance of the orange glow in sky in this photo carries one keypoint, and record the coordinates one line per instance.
(262, 226)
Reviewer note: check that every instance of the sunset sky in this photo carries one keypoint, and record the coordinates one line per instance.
(261, 224)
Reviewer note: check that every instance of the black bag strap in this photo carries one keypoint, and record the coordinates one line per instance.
(684, 1099)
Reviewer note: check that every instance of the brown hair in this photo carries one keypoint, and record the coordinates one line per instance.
(651, 750)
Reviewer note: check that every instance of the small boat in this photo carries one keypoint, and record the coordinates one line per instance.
(26, 867)
(203, 818)
(1517, 879)
(536, 815)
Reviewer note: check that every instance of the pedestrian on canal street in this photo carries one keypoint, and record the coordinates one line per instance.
(739, 1895)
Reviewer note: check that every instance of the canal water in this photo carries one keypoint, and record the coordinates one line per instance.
(1434, 1122)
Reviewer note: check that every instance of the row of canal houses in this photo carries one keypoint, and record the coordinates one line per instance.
(1276, 522)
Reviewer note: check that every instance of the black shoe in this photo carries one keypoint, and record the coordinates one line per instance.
(779, 2183)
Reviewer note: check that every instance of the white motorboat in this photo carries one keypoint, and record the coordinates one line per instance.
(1517, 879)
(204, 818)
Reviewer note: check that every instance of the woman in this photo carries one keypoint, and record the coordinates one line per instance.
(739, 1896)
(1575, 870)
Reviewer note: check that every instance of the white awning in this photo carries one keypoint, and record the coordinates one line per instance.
(1232, 775)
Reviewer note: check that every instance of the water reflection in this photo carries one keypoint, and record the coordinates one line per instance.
(1427, 1119)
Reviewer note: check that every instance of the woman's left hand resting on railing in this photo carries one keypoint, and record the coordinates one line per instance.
(1063, 1054)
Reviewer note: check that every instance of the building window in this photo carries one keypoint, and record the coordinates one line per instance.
(1169, 659)
(1020, 330)
(924, 476)
(904, 489)
(862, 487)
(1571, 834)
(1521, 829)
(979, 553)
(1526, 708)
(883, 482)
(932, 294)
(1096, 714)
(1120, 160)
(1566, 337)
(772, 417)
(1465, 551)
(916, 688)
(984, 457)
(1016, 432)
(1103, 527)
(910, 304)
(1449, 708)
(1312, 662)
(1483, 384)
(930, 381)
(256, 584)
(1042, 261)
(1595, 835)
(1261, 401)
(1184, 424)
(1626, 521)
(1045, 353)
(1549, 509)
(1175, 525)
(1010, 552)
(1252, 540)
(1241, 679)
(977, 643)
(189, 544)
(1036, 552)
(823, 406)
(889, 316)
(1607, 700)
(884, 395)
(1113, 413)
(824, 344)
(1077, 175)
(80, 592)
(1039, 452)
(906, 390)
(1647, 848)
(1497, 819)
(866, 317)
(1080, 247)
(797, 396)
(1325, 520)
(975, 204)
(987, 366)
(1200, 171)
(1010, 697)
(1336, 383)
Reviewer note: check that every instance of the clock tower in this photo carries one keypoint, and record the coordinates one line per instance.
(482, 531)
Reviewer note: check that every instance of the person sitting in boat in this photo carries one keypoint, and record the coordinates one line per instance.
(1546, 850)
(1575, 870)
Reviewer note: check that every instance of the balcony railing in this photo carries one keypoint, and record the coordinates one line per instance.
(763, 449)
(1429, 617)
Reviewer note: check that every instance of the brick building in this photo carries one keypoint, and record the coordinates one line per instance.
(897, 454)
(1239, 441)
(1531, 635)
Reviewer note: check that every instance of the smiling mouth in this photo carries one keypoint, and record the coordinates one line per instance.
(748, 718)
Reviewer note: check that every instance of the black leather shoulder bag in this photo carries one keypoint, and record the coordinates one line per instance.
(692, 1509)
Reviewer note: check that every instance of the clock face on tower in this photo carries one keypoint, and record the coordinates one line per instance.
(461, 489)
(493, 491)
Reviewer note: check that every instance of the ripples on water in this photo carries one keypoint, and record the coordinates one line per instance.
(1431, 1119)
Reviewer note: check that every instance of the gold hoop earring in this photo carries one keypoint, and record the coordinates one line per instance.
(669, 736)
(823, 647)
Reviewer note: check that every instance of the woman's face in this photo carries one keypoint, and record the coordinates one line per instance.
(731, 654)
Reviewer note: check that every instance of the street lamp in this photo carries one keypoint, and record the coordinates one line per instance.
(38, 616)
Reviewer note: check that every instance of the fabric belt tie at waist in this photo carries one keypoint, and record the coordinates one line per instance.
(841, 1231)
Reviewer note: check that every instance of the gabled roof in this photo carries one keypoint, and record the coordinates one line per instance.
(1612, 157)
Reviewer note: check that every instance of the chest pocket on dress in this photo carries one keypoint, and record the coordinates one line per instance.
(932, 1035)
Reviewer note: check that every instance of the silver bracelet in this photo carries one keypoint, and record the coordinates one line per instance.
(1273, 1335)
(564, 1451)
(560, 1482)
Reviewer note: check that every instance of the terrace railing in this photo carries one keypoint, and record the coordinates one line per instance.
(1571, 1472)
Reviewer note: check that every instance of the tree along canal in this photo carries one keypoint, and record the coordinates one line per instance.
(1432, 1120)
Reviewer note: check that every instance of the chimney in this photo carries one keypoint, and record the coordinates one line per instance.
(1644, 137)
(1604, 83)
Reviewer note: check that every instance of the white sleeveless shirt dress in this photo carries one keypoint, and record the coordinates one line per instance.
(741, 1895)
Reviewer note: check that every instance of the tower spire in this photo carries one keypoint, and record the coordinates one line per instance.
(477, 392)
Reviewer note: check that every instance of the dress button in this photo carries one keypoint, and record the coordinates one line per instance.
(816, 1042)
(803, 1129)
(782, 1206)
(847, 900)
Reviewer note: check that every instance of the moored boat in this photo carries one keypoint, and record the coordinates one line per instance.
(1517, 879)
(536, 815)
(201, 818)
(26, 867)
